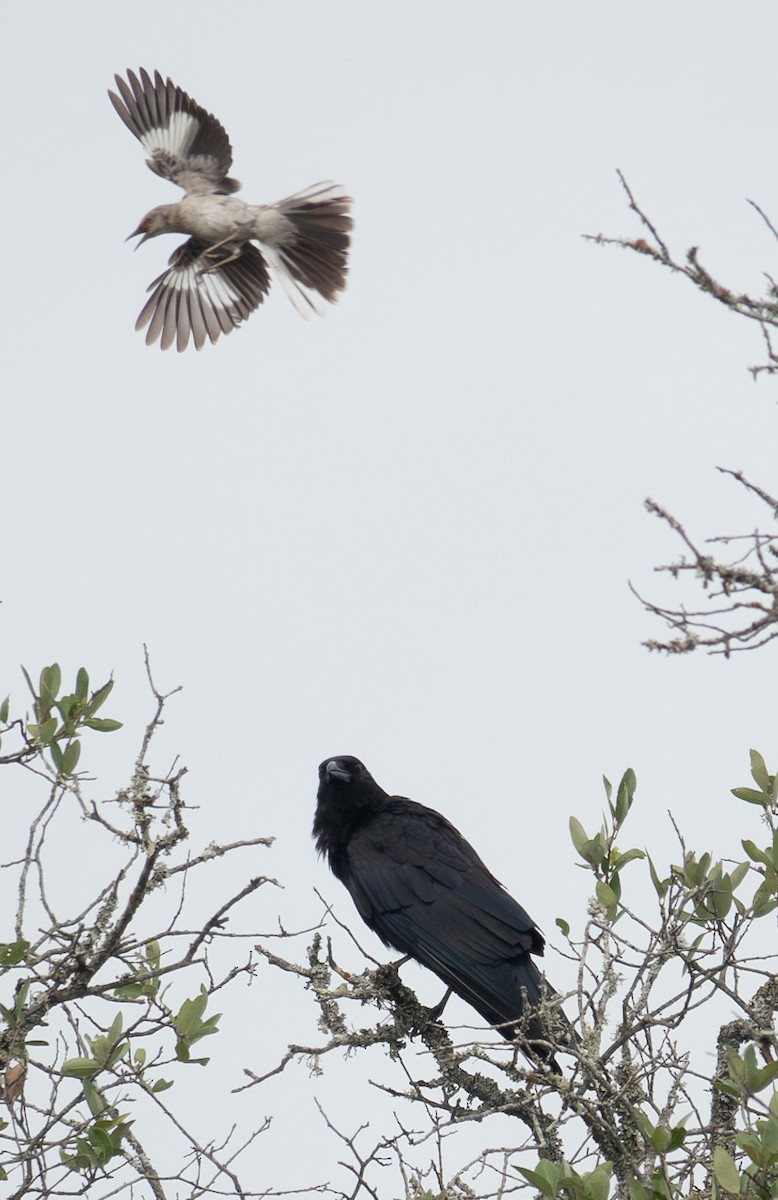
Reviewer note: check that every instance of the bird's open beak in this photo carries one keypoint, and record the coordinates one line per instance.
(334, 768)
(137, 233)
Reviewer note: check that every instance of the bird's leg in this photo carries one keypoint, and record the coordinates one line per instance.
(220, 261)
(437, 1012)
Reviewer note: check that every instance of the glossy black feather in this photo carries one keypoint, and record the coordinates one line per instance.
(423, 889)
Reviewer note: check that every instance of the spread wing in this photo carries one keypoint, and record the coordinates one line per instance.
(195, 297)
(185, 144)
(425, 891)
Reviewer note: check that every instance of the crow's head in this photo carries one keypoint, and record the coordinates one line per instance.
(343, 769)
(347, 796)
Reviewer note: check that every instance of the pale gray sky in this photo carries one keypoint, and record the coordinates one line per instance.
(404, 531)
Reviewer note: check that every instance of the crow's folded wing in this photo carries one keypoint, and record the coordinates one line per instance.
(417, 882)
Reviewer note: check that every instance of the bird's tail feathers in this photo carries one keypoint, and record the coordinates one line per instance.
(516, 1000)
(311, 263)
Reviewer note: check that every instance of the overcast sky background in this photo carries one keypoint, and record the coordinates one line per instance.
(404, 531)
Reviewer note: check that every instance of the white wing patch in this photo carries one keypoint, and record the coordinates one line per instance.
(175, 138)
(188, 300)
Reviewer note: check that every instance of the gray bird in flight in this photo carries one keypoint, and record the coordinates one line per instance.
(216, 279)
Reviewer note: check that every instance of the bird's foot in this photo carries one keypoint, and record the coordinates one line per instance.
(212, 260)
(437, 1012)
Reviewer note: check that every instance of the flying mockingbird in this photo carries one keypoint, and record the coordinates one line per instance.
(216, 279)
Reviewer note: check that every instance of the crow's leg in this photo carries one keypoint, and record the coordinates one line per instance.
(437, 1012)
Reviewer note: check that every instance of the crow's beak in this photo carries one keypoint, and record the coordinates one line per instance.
(334, 768)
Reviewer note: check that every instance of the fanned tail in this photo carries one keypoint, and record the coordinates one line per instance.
(310, 254)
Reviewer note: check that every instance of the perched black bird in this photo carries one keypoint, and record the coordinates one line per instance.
(423, 889)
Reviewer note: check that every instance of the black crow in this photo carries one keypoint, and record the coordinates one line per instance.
(423, 889)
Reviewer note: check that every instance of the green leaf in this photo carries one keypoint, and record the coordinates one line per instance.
(725, 1170)
(4, 707)
(625, 795)
(57, 757)
(677, 1137)
(754, 853)
(80, 1068)
(101, 1143)
(738, 874)
(162, 1085)
(563, 925)
(751, 796)
(762, 1076)
(536, 1180)
(551, 1171)
(660, 885)
(578, 835)
(659, 1187)
(21, 998)
(82, 684)
(621, 860)
(764, 900)
(736, 1067)
(190, 1027)
(70, 757)
(599, 1181)
(770, 1134)
(43, 733)
(119, 1132)
(12, 953)
(644, 1124)
(119, 1052)
(190, 1015)
(660, 1139)
(130, 991)
(51, 679)
(115, 1030)
(93, 1098)
(720, 900)
(753, 1148)
(107, 1048)
(80, 1161)
(99, 698)
(594, 850)
(102, 724)
(759, 771)
(606, 895)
